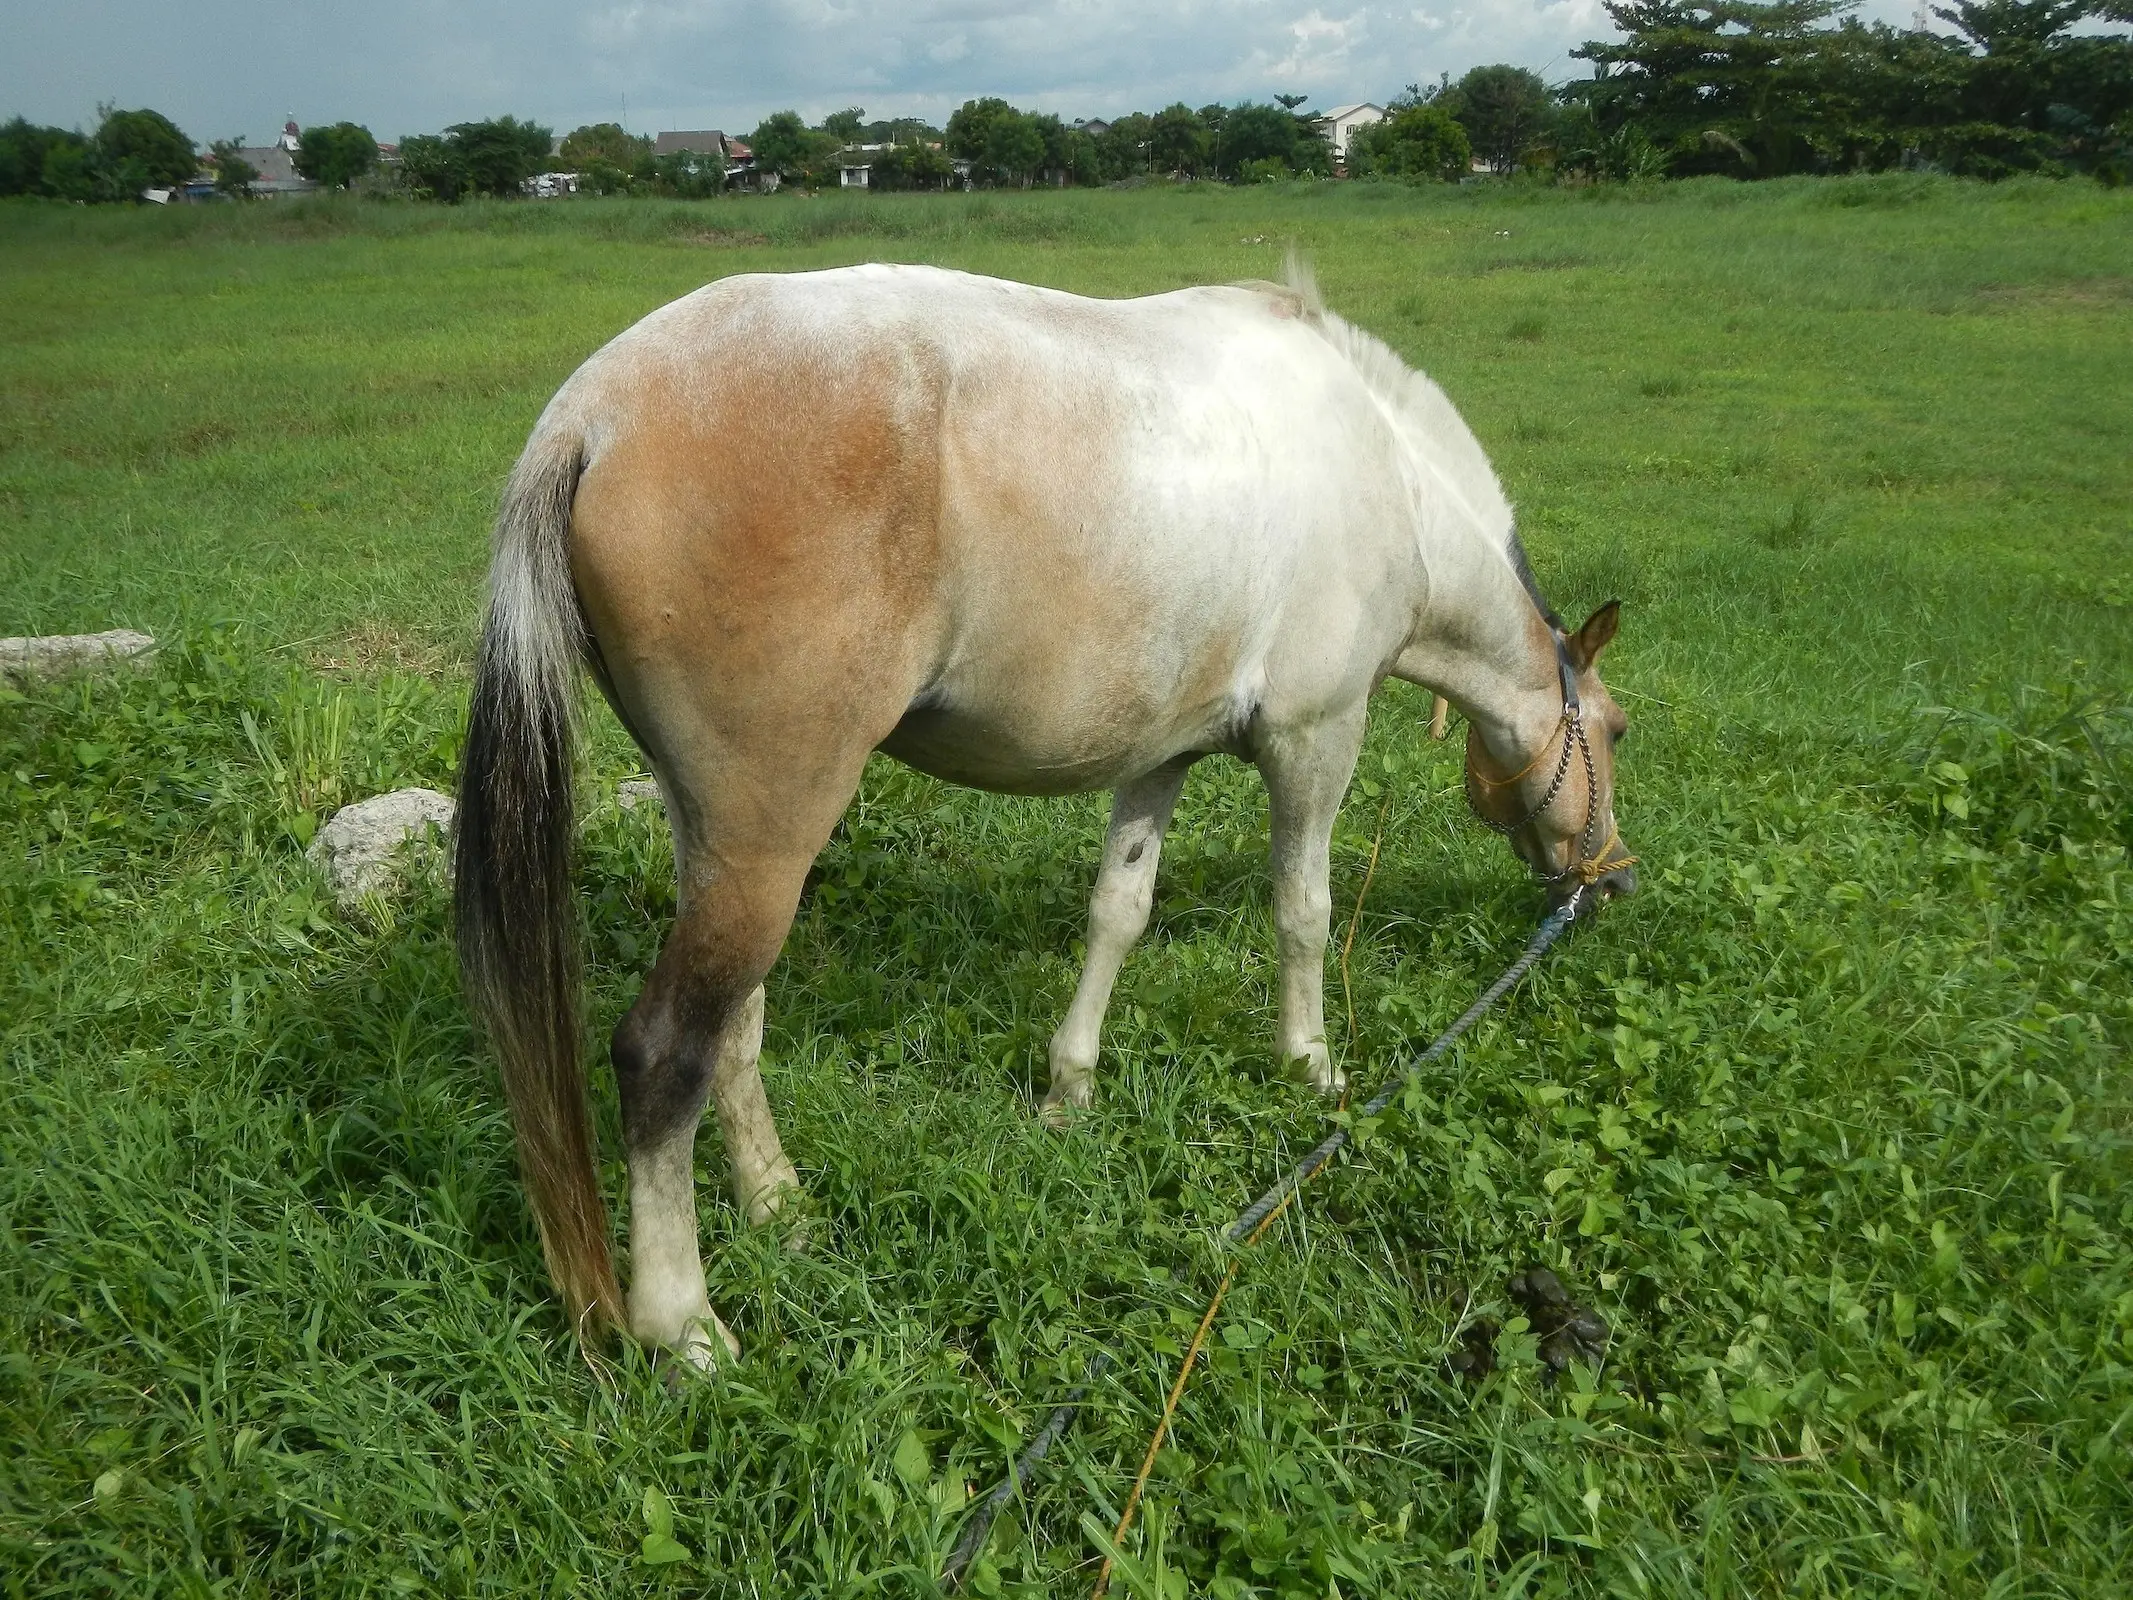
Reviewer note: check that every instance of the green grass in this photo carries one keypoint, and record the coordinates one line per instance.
(1832, 1122)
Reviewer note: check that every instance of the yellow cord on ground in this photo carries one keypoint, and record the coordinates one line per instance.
(1177, 1393)
(1355, 917)
(1207, 1318)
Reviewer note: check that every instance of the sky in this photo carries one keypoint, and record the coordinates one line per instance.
(414, 66)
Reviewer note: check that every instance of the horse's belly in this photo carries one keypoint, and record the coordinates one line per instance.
(992, 748)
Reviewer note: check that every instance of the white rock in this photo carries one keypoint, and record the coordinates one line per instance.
(631, 793)
(58, 654)
(359, 850)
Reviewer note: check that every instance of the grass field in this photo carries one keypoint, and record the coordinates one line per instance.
(1833, 1122)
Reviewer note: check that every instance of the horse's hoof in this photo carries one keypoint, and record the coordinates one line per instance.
(801, 1231)
(1062, 1108)
(699, 1352)
(783, 1201)
(1315, 1067)
(704, 1351)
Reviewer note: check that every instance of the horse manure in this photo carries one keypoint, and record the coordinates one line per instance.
(1583, 1336)
(1538, 1293)
(1474, 1357)
(1567, 1331)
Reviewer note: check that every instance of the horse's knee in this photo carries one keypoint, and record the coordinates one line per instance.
(1120, 910)
(1303, 908)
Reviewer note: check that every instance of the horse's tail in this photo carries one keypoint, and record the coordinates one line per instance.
(517, 925)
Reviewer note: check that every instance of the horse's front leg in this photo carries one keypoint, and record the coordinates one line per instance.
(1118, 913)
(1306, 771)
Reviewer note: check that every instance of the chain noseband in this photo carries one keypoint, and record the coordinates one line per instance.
(1590, 865)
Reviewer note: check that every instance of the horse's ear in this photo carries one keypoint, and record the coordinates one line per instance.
(1597, 633)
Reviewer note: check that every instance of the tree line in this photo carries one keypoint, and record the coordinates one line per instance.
(1753, 90)
(1740, 88)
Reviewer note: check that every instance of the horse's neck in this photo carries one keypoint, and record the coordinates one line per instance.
(1481, 642)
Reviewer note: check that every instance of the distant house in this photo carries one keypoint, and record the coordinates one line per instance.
(276, 164)
(855, 166)
(1094, 127)
(703, 141)
(1340, 124)
(739, 158)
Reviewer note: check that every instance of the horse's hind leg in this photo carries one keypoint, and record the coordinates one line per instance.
(1306, 770)
(693, 1037)
(763, 1180)
(1118, 913)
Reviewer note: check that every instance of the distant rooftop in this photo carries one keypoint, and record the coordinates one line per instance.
(704, 141)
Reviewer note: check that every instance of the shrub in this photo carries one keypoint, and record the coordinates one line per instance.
(1422, 144)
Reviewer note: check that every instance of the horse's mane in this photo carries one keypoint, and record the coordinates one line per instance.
(1438, 433)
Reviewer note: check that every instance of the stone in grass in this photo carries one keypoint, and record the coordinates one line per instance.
(56, 655)
(360, 849)
(631, 793)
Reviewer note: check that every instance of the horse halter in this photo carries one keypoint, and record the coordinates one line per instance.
(1590, 865)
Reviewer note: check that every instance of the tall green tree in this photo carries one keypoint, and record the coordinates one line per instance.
(1760, 89)
(1002, 144)
(23, 148)
(1124, 149)
(77, 172)
(140, 149)
(915, 164)
(1069, 154)
(899, 130)
(1179, 142)
(844, 126)
(608, 142)
(1265, 137)
(783, 143)
(499, 154)
(1506, 111)
(2043, 71)
(1720, 86)
(688, 174)
(430, 167)
(336, 155)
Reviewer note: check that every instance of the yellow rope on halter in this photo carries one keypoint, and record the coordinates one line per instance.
(1595, 867)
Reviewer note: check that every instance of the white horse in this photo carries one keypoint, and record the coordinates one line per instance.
(1018, 539)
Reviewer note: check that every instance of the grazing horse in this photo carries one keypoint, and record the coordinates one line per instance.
(1020, 540)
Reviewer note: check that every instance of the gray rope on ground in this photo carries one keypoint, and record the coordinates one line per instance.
(1552, 928)
(973, 1540)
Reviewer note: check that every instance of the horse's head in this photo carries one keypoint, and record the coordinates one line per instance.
(1558, 810)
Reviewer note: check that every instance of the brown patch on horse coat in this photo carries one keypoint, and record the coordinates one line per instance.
(761, 582)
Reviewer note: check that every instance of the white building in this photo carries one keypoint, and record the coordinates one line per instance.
(1339, 124)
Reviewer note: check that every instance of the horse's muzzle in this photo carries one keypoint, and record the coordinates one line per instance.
(1614, 884)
